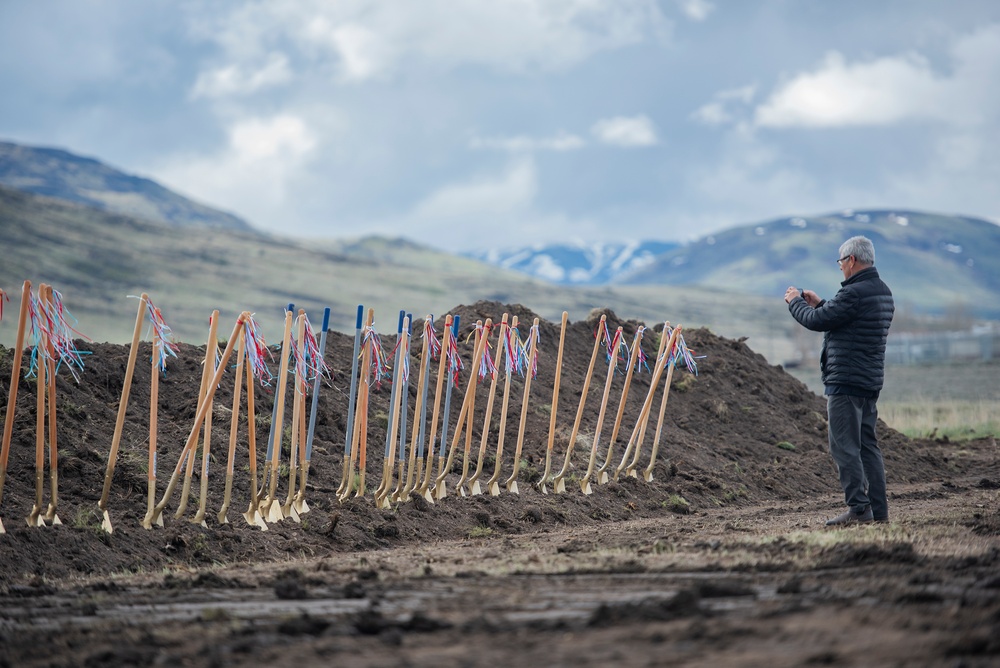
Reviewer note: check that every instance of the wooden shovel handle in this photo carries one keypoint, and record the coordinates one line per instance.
(123, 402)
(604, 407)
(202, 411)
(489, 402)
(637, 443)
(532, 347)
(470, 392)
(15, 372)
(583, 398)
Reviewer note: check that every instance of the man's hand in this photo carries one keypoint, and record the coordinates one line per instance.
(811, 297)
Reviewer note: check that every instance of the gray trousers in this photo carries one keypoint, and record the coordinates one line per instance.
(855, 450)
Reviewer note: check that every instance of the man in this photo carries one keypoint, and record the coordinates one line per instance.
(855, 325)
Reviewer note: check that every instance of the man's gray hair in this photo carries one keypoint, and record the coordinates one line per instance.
(861, 248)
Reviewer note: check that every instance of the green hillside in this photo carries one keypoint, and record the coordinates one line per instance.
(63, 175)
(933, 263)
(97, 259)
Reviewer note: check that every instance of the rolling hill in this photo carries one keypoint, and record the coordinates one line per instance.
(97, 259)
(191, 264)
(932, 262)
(64, 175)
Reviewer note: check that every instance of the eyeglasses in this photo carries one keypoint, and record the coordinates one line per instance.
(840, 262)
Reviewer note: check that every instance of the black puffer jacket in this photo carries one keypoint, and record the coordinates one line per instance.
(856, 321)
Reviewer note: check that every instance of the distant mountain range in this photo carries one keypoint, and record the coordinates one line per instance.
(76, 222)
(932, 262)
(63, 175)
(579, 263)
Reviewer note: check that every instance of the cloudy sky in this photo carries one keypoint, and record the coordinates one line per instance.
(473, 123)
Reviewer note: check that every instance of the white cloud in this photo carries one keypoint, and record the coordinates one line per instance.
(236, 79)
(753, 180)
(880, 92)
(561, 141)
(472, 201)
(725, 106)
(251, 174)
(713, 113)
(362, 52)
(493, 210)
(891, 89)
(696, 10)
(742, 94)
(626, 131)
(366, 39)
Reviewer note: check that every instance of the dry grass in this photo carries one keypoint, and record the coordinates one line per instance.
(951, 418)
(959, 401)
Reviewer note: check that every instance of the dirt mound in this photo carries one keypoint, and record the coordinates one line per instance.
(738, 432)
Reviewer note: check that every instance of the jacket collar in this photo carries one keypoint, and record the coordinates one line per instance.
(864, 275)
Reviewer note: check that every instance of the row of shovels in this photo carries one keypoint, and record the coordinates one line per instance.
(415, 474)
(405, 470)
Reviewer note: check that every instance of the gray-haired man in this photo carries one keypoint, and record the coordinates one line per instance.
(855, 323)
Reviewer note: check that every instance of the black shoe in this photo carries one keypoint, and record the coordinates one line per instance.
(851, 517)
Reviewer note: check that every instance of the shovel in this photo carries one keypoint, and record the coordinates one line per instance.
(154, 400)
(352, 397)
(424, 488)
(466, 455)
(493, 485)
(15, 372)
(390, 431)
(532, 351)
(270, 506)
(419, 414)
(555, 407)
(252, 515)
(300, 499)
(474, 488)
(233, 430)
(396, 494)
(602, 473)
(298, 434)
(558, 482)
(640, 424)
(120, 423)
(637, 443)
(207, 372)
(613, 354)
(648, 472)
(438, 490)
(211, 351)
(360, 437)
(41, 371)
(470, 393)
(199, 418)
(402, 348)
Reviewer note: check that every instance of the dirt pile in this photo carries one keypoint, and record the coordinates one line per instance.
(740, 432)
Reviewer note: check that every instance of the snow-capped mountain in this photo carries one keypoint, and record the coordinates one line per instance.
(578, 263)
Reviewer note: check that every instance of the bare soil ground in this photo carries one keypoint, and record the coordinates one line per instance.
(721, 560)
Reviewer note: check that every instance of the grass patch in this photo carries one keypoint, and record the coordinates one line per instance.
(480, 532)
(676, 503)
(87, 518)
(732, 494)
(958, 420)
(685, 383)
